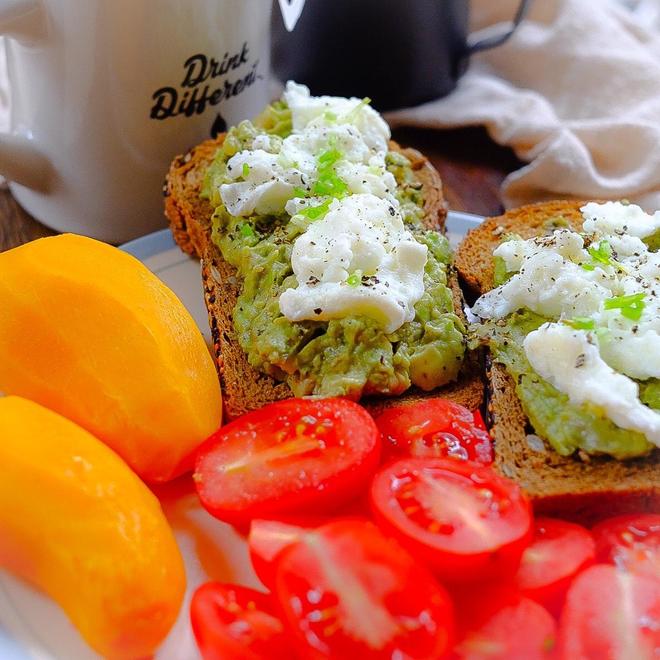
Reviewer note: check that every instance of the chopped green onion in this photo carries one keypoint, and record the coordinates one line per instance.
(247, 231)
(316, 212)
(631, 306)
(602, 253)
(354, 278)
(299, 192)
(329, 115)
(330, 184)
(330, 157)
(581, 323)
(350, 116)
(246, 170)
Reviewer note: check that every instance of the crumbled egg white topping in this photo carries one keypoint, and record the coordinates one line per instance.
(603, 289)
(355, 258)
(358, 259)
(570, 361)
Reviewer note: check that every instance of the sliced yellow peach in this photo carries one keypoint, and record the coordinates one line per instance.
(76, 522)
(89, 332)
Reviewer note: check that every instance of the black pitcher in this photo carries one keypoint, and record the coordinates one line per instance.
(398, 52)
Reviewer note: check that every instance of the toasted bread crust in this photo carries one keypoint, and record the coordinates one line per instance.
(582, 490)
(474, 258)
(245, 388)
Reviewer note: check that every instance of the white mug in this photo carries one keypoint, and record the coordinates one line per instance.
(104, 93)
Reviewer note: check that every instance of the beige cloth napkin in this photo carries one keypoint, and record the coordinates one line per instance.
(575, 93)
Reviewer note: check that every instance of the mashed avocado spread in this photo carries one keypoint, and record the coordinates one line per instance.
(598, 291)
(347, 356)
(566, 426)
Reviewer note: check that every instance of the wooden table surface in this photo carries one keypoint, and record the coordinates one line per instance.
(471, 165)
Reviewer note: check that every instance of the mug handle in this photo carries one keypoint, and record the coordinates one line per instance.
(500, 37)
(20, 160)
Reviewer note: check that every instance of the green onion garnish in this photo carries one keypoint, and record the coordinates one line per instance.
(581, 323)
(631, 306)
(354, 278)
(247, 231)
(299, 192)
(329, 184)
(350, 116)
(246, 170)
(329, 115)
(602, 253)
(316, 212)
(329, 158)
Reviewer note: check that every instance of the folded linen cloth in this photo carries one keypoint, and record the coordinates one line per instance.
(575, 93)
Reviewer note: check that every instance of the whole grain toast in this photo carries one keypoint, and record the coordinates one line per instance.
(244, 388)
(580, 488)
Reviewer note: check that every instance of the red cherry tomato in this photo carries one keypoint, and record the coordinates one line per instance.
(238, 623)
(268, 538)
(631, 542)
(347, 591)
(558, 552)
(463, 519)
(437, 428)
(293, 456)
(475, 603)
(521, 630)
(610, 613)
(479, 420)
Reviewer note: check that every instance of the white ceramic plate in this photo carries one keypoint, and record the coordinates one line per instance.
(32, 626)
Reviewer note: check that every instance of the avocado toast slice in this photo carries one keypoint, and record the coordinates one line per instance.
(244, 387)
(578, 486)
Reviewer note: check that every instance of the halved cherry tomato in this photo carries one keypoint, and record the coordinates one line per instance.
(558, 552)
(347, 591)
(476, 602)
(610, 613)
(522, 630)
(631, 542)
(268, 538)
(463, 519)
(437, 428)
(479, 420)
(293, 456)
(238, 623)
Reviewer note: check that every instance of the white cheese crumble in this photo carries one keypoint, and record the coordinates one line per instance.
(618, 218)
(357, 260)
(548, 281)
(571, 363)
(307, 109)
(355, 257)
(263, 181)
(582, 281)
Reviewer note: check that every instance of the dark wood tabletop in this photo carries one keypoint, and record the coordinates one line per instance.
(471, 165)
